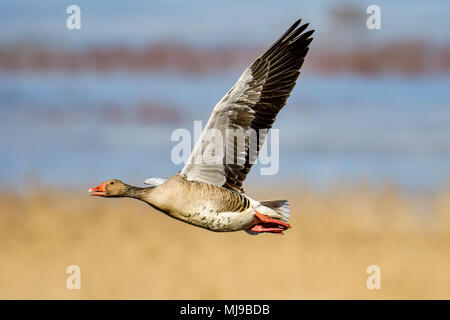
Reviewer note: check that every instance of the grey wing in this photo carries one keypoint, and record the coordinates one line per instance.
(253, 103)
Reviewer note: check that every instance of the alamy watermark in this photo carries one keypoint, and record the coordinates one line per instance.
(74, 20)
(74, 279)
(374, 280)
(234, 147)
(374, 20)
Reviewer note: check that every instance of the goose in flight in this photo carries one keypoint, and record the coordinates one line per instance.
(208, 191)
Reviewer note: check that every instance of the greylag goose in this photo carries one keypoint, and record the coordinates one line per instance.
(209, 194)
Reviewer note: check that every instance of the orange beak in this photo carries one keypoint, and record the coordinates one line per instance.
(98, 191)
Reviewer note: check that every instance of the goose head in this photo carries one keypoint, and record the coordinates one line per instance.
(110, 188)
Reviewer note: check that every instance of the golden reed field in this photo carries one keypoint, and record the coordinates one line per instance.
(126, 250)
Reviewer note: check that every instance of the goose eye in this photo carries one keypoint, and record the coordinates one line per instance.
(111, 183)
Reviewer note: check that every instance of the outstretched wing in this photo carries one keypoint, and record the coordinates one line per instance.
(253, 103)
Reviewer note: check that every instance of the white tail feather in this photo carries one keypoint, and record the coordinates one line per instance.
(278, 209)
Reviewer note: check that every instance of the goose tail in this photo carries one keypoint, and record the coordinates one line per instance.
(278, 209)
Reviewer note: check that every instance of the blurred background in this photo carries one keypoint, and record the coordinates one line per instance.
(364, 148)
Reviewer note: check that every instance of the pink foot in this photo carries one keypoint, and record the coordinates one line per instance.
(266, 219)
(267, 224)
(261, 228)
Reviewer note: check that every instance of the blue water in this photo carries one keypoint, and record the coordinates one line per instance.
(57, 128)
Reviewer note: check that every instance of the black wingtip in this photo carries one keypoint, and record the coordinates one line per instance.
(307, 34)
(292, 28)
(296, 23)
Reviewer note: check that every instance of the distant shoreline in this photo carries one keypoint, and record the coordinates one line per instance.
(406, 58)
